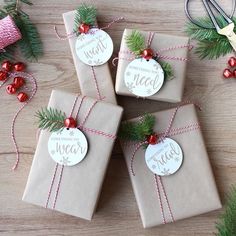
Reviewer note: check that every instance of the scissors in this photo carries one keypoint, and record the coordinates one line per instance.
(227, 31)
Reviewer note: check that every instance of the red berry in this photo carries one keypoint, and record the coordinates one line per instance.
(84, 28)
(70, 122)
(11, 89)
(152, 139)
(232, 61)
(19, 66)
(3, 75)
(18, 82)
(234, 73)
(227, 74)
(147, 54)
(6, 65)
(22, 97)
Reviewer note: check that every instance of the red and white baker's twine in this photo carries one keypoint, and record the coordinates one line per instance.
(130, 56)
(9, 33)
(85, 129)
(74, 33)
(169, 132)
(33, 91)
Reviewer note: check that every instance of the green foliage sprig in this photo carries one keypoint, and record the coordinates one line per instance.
(30, 45)
(50, 119)
(137, 131)
(227, 223)
(85, 15)
(136, 44)
(211, 45)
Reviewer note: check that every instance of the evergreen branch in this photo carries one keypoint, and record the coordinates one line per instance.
(8, 54)
(227, 223)
(135, 42)
(168, 70)
(137, 131)
(85, 14)
(30, 44)
(50, 119)
(211, 45)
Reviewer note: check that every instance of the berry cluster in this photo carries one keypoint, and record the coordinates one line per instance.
(5, 73)
(227, 73)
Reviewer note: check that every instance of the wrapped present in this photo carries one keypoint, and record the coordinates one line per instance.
(94, 76)
(171, 176)
(152, 65)
(70, 164)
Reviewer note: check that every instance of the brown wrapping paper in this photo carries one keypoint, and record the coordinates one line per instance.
(191, 190)
(81, 184)
(85, 73)
(171, 91)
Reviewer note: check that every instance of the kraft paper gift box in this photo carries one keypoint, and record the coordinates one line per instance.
(172, 90)
(103, 86)
(80, 184)
(191, 190)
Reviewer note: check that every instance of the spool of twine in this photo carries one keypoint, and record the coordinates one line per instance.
(9, 33)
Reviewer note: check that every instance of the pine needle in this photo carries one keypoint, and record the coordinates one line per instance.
(168, 70)
(30, 44)
(137, 131)
(227, 223)
(85, 14)
(50, 119)
(211, 45)
(135, 42)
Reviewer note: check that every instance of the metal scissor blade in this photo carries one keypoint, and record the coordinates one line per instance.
(211, 14)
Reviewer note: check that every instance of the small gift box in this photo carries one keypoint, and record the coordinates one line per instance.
(70, 164)
(95, 81)
(171, 176)
(152, 65)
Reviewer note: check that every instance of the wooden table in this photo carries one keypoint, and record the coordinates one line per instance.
(117, 212)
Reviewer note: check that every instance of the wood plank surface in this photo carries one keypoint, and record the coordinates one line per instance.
(117, 212)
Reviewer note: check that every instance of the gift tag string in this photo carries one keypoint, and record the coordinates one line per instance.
(168, 132)
(130, 56)
(75, 33)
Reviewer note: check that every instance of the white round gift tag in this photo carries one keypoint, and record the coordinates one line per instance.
(94, 48)
(67, 147)
(144, 77)
(164, 158)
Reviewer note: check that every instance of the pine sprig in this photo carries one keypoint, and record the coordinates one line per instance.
(227, 222)
(211, 45)
(30, 44)
(135, 42)
(168, 70)
(50, 119)
(85, 14)
(137, 131)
